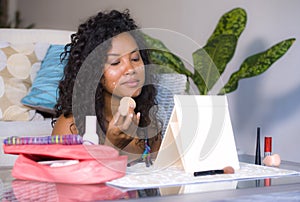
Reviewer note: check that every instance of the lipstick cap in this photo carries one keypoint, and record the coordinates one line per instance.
(268, 144)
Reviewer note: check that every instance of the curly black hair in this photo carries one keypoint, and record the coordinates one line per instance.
(99, 29)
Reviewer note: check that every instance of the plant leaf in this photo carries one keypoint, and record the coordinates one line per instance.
(211, 60)
(199, 82)
(257, 64)
(168, 62)
(161, 55)
(220, 48)
(232, 22)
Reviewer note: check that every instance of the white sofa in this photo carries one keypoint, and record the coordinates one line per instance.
(37, 126)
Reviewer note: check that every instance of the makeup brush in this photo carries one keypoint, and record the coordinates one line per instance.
(226, 170)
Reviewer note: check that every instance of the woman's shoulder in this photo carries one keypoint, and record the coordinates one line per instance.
(64, 126)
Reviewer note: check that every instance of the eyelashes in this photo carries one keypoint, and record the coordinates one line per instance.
(117, 62)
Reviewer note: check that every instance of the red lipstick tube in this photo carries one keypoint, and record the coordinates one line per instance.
(268, 146)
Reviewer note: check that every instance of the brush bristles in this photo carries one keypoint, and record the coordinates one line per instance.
(228, 170)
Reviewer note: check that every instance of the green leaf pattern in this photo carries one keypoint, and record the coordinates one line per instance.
(257, 64)
(231, 23)
(211, 61)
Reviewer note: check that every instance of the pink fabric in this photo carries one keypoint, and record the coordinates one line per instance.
(42, 191)
(97, 163)
(64, 151)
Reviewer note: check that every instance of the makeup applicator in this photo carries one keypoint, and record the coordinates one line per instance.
(272, 160)
(125, 103)
(226, 170)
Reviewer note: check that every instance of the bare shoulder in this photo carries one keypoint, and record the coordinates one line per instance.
(64, 126)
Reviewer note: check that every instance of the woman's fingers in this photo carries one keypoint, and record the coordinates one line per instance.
(131, 120)
(122, 129)
(116, 119)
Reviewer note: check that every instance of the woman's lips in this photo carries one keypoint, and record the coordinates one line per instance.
(131, 83)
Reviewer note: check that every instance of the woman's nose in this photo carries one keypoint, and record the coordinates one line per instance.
(130, 69)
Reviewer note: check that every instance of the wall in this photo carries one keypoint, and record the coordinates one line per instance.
(270, 101)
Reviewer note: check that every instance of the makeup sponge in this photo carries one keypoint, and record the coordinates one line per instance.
(272, 160)
(125, 103)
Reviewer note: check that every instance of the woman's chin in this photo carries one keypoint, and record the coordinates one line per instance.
(133, 93)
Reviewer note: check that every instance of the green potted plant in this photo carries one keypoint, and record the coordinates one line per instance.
(210, 61)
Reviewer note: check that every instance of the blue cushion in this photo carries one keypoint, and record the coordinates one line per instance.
(44, 90)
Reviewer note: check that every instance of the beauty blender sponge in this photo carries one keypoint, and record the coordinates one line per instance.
(272, 160)
(125, 103)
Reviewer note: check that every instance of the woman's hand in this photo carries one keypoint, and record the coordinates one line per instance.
(122, 129)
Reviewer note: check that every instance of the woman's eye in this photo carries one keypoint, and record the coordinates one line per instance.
(115, 63)
(136, 59)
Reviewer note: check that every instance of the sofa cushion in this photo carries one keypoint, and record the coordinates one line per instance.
(44, 90)
(18, 64)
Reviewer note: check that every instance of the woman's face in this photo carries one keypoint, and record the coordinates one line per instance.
(124, 73)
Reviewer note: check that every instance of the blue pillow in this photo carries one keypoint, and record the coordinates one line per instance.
(44, 89)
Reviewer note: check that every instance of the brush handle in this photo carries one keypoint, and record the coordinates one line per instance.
(208, 172)
(257, 154)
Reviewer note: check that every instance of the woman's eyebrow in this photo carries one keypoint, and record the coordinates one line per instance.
(116, 54)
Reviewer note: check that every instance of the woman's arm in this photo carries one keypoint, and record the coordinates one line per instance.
(136, 148)
(64, 126)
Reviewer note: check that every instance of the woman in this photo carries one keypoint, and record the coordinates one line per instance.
(123, 65)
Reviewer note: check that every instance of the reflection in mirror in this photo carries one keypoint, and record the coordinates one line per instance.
(196, 188)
